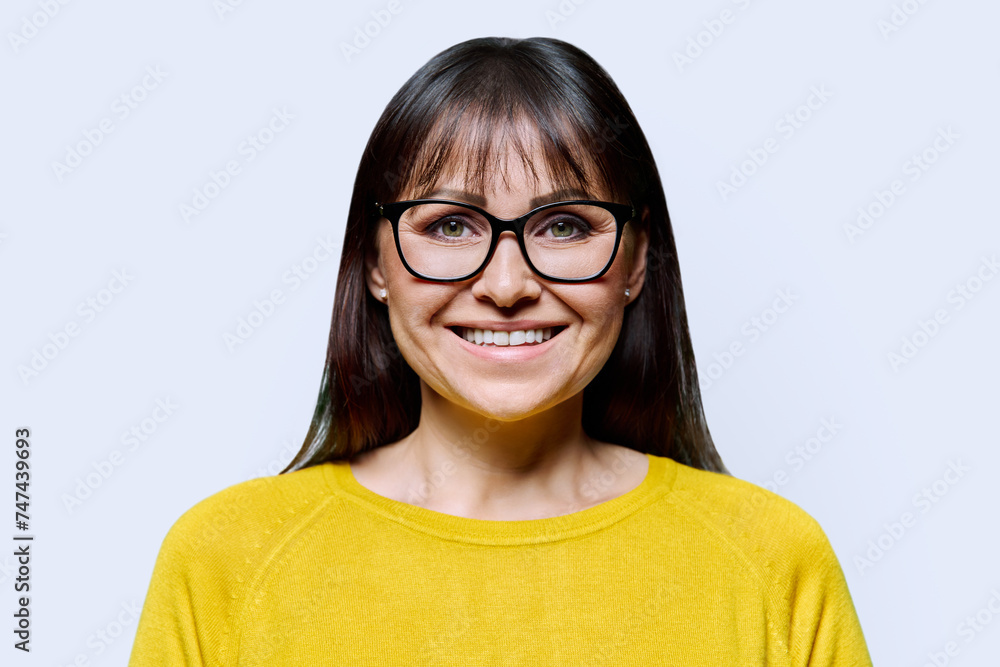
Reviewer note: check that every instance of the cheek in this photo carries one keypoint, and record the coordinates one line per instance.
(602, 311)
(414, 307)
(407, 333)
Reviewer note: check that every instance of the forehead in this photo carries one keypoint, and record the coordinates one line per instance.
(537, 197)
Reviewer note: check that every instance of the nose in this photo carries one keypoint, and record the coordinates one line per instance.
(507, 278)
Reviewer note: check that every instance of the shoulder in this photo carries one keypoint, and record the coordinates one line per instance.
(249, 518)
(781, 547)
(772, 533)
(212, 559)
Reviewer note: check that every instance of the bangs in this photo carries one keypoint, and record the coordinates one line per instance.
(467, 121)
(475, 146)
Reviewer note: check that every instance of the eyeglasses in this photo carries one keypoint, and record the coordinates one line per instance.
(449, 241)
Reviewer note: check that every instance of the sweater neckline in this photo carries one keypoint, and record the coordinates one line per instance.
(658, 480)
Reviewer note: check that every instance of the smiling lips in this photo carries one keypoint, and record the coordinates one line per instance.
(491, 338)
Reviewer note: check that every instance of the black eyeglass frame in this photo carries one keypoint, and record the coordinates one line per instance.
(623, 214)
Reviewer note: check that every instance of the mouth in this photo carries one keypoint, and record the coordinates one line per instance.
(519, 338)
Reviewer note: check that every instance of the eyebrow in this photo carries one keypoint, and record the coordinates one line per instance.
(473, 198)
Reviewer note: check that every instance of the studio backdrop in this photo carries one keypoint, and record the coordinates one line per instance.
(175, 183)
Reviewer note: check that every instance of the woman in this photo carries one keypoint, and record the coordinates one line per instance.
(508, 463)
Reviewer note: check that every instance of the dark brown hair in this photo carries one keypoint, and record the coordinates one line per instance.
(449, 113)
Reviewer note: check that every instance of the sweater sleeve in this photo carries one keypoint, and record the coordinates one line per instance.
(191, 594)
(208, 563)
(824, 627)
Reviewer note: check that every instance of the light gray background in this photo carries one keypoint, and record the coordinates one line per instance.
(241, 413)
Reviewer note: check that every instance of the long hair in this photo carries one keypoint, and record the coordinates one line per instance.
(451, 112)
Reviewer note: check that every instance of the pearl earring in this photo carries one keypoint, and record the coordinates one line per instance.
(626, 291)
(381, 292)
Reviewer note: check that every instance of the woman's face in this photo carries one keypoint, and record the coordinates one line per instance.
(507, 382)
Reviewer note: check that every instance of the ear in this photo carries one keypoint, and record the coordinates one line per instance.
(637, 275)
(374, 272)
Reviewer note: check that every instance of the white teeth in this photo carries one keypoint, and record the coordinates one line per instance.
(505, 338)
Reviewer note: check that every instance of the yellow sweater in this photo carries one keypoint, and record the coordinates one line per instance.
(690, 568)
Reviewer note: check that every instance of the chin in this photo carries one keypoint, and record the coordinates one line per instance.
(508, 410)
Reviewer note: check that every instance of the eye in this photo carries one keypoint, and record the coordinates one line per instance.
(564, 226)
(562, 229)
(451, 227)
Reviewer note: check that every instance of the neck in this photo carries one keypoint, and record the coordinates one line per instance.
(459, 462)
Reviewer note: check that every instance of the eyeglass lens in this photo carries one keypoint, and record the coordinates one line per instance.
(449, 241)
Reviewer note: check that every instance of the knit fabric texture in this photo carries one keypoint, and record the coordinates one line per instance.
(689, 568)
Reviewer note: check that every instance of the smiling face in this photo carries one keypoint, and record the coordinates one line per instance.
(430, 320)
